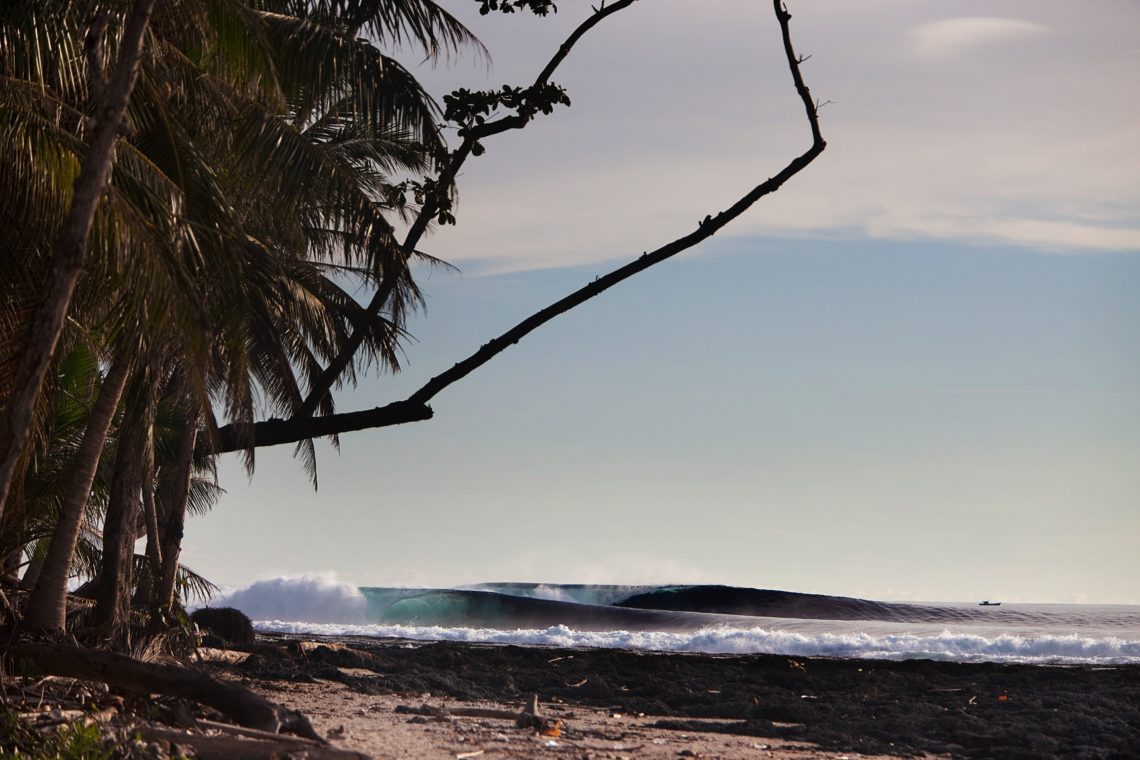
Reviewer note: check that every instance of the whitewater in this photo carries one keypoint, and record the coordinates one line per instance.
(687, 618)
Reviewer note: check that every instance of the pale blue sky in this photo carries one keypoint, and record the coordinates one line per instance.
(913, 374)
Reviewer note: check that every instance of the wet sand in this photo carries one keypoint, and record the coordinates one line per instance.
(365, 695)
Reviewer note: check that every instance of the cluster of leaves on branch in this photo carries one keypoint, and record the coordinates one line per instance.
(537, 7)
(422, 192)
(470, 109)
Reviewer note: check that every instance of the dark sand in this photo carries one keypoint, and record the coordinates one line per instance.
(910, 708)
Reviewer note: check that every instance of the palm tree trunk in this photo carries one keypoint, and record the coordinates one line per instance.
(174, 520)
(71, 249)
(113, 593)
(150, 516)
(47, 606)
(35, 565)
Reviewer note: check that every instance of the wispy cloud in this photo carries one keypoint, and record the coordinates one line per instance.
(1021, 140)
(955, 36)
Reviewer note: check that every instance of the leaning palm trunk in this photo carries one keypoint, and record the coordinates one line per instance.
(113, 593)
(47, 607)
(71, 249)
(173, 522)
(150, 516)
(35, 566)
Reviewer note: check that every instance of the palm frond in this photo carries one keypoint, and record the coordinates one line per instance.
(396, 23)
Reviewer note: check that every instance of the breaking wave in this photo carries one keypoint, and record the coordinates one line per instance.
(958, 647)
(711, 619)
(318, 598)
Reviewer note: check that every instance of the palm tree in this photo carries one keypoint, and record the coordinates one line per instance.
(109, 101)
(188, 247)
(46, 608)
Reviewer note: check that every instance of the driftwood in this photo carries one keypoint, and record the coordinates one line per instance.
(266, 747)
(127, 674)
(526, 718)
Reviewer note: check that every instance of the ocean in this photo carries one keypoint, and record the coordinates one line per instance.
(697, 618)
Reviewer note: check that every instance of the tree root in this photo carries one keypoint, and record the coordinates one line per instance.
(127, 674)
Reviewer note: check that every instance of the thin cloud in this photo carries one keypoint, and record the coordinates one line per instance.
(1019, 137)
(954, 36)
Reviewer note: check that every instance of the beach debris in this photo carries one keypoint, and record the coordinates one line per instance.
(583, 682)
(308, 647)
(529, 717)
(229, 656)
(797, 665)
(127, 674)
(423, 712)
(465, 755)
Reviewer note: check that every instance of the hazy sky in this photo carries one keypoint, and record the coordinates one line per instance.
(911, 374)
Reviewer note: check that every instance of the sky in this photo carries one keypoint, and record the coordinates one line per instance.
(911, 374)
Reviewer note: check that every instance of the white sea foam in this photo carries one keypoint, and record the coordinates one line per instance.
(947, 645)
(320, 598)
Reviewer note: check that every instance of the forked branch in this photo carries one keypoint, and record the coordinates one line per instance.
(415, 407)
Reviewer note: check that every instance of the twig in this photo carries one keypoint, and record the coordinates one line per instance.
(254, 733)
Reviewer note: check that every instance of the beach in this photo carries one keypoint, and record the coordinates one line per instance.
(399, 698)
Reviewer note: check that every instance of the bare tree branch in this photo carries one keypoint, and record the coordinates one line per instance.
(328, 377)
(276, 431)
(413, 408)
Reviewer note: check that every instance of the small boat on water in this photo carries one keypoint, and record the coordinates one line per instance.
(988, 603)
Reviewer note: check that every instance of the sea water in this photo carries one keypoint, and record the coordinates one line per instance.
(685, 618)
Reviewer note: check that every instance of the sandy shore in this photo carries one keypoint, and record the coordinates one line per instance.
(387, 698)
(376, 726)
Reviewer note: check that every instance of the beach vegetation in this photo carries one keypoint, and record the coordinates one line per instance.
(72, 741)
(255, 181)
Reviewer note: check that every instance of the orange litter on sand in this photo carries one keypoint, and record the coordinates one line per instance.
(1003, 697)
(554, 729)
